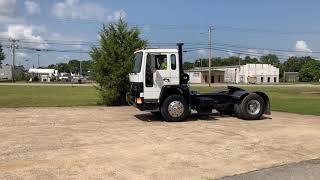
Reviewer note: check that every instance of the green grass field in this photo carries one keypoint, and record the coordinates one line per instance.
(47, 96)
(302, 100)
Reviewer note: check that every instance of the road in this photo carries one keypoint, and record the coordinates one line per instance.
(124, 143)
(296, 171)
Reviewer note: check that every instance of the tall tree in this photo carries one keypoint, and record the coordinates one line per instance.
(187, 65)
(113, 60)
(270, 59)
(294, 64)
(249, 60)
(2, 55)
(74, 65)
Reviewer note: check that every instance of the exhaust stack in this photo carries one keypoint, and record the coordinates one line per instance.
(180, 58)
(184, 78)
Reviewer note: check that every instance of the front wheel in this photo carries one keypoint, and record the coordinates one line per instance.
(174, 108)
(252, 107)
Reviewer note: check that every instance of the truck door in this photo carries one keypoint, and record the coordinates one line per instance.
(157, 74)
(174, 69)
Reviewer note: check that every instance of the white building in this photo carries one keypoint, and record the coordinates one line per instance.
(249, 73)
(5, 72)
(45, 74)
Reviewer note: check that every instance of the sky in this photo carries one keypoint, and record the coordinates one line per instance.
(247, 27)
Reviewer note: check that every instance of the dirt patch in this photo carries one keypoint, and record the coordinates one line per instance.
(124, 143)
(312, 93)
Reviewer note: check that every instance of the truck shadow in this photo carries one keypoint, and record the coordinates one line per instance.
(261, 119)
(149, 117)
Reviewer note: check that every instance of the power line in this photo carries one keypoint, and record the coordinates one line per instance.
(55, 50)
(188, 44)
(237, 52)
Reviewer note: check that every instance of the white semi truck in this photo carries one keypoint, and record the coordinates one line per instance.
(159, 85)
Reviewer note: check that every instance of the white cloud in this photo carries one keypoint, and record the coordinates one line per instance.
(77, 46)
(231, 53)
(29, 33)
(75, 9)
(22, 55)
(64, 57)
(202, 53)
(32, 7)
(8, 7)
(302, 46)
(253, 53)
(56, 35)
(98, 37)
(7, 10)
(265, 52)
(115, 16)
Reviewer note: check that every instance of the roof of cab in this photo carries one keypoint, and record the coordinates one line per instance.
(158, 50)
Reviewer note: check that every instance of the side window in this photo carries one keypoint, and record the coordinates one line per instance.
(161, 62)
(173, 62)
(148, 63)
(149, 73)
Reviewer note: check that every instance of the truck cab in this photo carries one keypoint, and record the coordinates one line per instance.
(154, 69)
(159, 85)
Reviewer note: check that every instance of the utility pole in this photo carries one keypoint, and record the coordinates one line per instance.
(80, 68)
(210, 47)
(80, 62)
(13, 47)
(239, 57)
(38, 60)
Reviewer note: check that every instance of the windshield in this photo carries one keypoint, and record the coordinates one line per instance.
(137, 62)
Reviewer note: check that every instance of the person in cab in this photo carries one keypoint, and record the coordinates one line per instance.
(163, 64)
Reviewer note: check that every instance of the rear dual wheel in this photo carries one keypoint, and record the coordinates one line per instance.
(252, 107)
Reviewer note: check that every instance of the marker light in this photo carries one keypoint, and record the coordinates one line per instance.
(139, 100)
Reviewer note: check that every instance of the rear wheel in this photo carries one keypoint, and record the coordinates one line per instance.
(252, 107)
(174, 108)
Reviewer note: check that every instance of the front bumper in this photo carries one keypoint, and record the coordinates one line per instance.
(132, 101)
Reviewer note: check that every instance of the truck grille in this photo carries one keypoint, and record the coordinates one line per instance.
(136, 88)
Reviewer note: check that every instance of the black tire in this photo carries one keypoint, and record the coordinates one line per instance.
(165, 108)
(245, 112)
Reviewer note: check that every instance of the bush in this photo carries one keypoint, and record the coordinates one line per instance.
(310, 72)
(112, 61)
(35, 79)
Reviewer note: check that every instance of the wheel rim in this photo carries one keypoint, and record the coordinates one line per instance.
(176, 109)
(254, 107)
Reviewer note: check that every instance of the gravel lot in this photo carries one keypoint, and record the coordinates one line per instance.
(124, 143)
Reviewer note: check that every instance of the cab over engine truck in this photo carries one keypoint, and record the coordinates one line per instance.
(159, 85)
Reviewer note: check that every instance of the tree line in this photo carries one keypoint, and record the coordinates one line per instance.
(308, 68)
(73, 66)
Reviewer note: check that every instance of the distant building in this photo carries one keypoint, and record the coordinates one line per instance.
(45, 75)
(249, 73)
(291, 76)
(5, 72)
